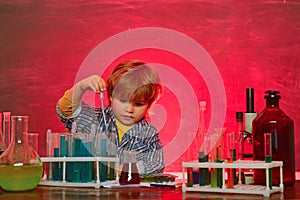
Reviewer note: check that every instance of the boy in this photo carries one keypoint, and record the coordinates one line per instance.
(132, 88)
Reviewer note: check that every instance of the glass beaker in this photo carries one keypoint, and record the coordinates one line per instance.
(20, 166)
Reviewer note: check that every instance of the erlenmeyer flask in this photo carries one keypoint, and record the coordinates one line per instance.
(130, 173)
(21, 168)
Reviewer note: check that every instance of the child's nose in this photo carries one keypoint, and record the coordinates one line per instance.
(129, 108)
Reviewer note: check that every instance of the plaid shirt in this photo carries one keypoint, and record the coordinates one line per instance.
(141, 138)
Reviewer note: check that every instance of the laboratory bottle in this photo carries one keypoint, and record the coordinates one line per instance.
(273, 120)
(20, 166)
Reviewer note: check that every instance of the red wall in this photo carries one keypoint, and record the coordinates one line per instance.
(47, 45)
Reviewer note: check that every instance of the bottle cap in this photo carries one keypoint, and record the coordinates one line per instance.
(272, 94)
(249, 100)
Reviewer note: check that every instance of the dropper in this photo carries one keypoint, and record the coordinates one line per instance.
(102, 107)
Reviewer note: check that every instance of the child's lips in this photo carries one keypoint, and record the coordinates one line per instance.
(126, 117)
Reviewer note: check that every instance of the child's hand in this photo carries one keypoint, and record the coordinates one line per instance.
(94, 83)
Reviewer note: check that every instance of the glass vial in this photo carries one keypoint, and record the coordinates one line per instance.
(6, 127)
(20, 166)
(268, 154)
(2, 140)
(273, 120)
(231, 156)
(239, 127)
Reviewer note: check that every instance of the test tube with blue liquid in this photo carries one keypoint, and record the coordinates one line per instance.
(82, 147)
(53, 150)
(63, 149)
(70, 153)
(100, 150)
(86, 151)
(103, 165)
(112, 152)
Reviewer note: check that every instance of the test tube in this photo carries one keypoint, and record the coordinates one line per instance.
(213, 154)
(203, 157)
(70, 153)
(219, 156)
(77, 166)
(57, 175)
(268, 154)
(2, 139)
(190, 156)
(112, 152)
(48, 152)
(103, 165)
(230, 157)
(6, 127)
(86, 151)
(33, 140)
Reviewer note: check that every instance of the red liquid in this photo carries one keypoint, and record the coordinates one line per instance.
(135, 177)
(230, 181)
(190, 176)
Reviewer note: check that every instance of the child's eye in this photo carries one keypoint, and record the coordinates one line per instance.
(138, 104)
(122, 100)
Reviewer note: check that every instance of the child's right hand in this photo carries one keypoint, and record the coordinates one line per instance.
(94, 83)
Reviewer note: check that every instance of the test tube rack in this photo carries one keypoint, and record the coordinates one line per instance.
(239, 188)
(97, 160)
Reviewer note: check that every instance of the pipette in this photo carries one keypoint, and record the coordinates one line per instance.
(102, 107)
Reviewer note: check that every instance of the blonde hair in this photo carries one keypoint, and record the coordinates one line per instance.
(135, 81)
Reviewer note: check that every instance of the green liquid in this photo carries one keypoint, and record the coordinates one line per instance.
(268, 159)
(213, 177)
(20, 178)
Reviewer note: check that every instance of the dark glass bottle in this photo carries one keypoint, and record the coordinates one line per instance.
(273, 120)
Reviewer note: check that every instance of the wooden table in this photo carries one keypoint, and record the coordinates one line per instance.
(58, 193)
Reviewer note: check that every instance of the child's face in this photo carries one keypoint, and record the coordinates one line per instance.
(128, 113)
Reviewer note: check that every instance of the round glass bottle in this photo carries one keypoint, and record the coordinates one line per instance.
(21, 168)
(273, 120)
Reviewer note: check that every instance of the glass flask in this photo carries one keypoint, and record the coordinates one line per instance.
(273, 120)
(20, 166)
(130, 173)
